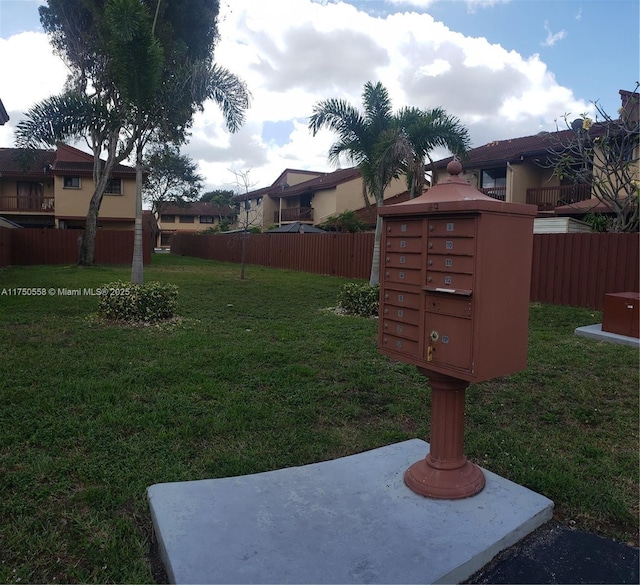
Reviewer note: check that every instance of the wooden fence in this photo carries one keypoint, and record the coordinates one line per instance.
(347, 255)
(579, 269)
(51, 246)
(567, 269)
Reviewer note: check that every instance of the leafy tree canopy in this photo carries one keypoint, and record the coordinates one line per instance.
(220, 197)
(173, 177)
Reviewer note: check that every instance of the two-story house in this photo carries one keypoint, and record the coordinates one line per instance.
(521, 170)
(52, 189)
(308, 197)
(189, 218)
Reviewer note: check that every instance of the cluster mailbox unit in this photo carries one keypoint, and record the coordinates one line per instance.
(454, 300)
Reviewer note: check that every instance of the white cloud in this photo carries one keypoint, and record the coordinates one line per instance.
(294, 54)
(552, 38)
(27, 52)
(473, 5)
(415, 3)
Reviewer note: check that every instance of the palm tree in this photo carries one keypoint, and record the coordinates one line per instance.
(383, 144)
(419, 133)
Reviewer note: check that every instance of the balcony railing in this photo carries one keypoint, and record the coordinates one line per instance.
(32, 203)
(293, 214)
(499, 193)
(548, 198)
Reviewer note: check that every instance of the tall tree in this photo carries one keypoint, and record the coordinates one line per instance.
(173, 177)
(110, 48)
(245, 219)
(383, 144)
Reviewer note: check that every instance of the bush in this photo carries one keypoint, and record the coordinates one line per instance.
(360, 299)
(149, 302)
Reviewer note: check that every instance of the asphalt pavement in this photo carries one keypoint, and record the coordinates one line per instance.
(557, 554)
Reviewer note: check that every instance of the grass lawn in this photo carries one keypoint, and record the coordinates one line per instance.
(258, 376)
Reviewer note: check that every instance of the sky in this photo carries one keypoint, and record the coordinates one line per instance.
(505, 68)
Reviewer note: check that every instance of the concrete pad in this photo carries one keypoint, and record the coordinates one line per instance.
(350, 520)
(596, 332)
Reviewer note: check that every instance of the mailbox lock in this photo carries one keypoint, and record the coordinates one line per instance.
(434, 335)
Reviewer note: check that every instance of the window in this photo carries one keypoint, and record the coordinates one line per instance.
(206, 219)
(168, 218)
(114, 187)
(165, 238)
(71, 183)
(187, 218)
(494, 178)
(30, 196)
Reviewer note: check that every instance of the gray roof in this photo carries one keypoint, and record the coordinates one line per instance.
(296, 228)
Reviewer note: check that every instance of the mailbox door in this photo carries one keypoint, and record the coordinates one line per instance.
(449, 341)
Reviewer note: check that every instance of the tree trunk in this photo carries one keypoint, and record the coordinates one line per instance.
(243, 251)
(137, 267)
(88, 246)
(374, 278)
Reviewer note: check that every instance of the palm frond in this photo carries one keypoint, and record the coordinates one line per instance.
(339, 116)
(377, 105)
(230, 93)
(68, 116)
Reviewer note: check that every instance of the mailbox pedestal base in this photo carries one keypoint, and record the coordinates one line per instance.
(445, 473)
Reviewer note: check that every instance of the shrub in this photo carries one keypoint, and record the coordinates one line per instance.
(149, 302)
(359, 299)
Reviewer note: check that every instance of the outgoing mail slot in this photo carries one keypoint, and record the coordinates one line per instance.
(401, 299)
(403, 260)
(449, 280)
(450, 263)
(405, 228)
(402, 275)
(447, 305)
(452, 227)
(465, 246)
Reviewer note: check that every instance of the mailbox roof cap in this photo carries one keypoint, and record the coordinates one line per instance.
(455, 194)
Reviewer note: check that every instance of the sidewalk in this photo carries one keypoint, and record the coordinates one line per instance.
(557, 554)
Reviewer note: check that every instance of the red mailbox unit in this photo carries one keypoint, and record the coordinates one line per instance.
(455, 281)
